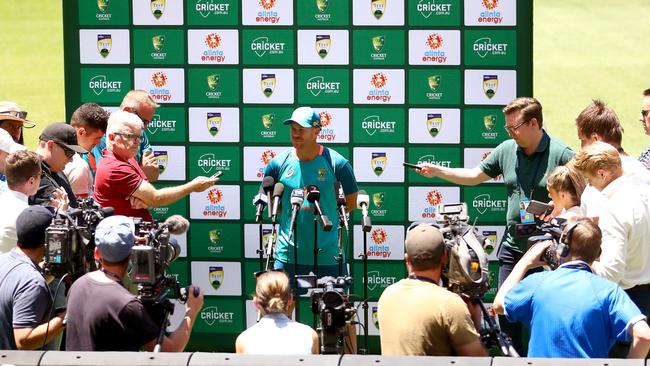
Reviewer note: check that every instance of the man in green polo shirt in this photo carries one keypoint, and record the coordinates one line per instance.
(525, 162)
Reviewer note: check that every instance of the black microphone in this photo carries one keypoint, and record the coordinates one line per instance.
(313, 195)
(176, 224)
(260, 201)
(277, 195)
(267, 185)
(341, 203)
(362, 202)
(297, 198)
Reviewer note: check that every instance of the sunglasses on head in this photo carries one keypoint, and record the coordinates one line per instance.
(18, 114)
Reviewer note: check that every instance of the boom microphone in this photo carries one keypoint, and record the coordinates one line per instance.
(341, 203)
(313, 195)
(297, 198)
(267, 185)
(277, 195)
(362, 202)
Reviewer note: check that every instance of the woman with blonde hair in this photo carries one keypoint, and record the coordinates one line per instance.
(276, 333)
(565, 186)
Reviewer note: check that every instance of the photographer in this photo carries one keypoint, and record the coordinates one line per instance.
(275, 333)
(103, 315)
(417, 316)
(24, 296)
(572, 312)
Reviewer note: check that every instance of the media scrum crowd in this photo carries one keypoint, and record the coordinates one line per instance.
(82, 255)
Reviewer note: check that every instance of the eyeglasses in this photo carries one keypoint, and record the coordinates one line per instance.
(19, 114)
(66, 150)
(644, 112)
(130, 136)
(514, 128)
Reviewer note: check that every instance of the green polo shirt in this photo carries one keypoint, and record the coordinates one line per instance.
(533, 171)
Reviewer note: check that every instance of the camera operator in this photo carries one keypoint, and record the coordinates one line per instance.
(572, 312)
(120, 182)
(24, 295)
(103, 315)
(416, 315)
(275, 333)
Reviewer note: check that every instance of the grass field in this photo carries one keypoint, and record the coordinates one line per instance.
(582, 50)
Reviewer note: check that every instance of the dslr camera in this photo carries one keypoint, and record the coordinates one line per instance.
(556, 233)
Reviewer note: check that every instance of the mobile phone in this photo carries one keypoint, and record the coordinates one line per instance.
(217, 174)
(538, 208)
(412, 166)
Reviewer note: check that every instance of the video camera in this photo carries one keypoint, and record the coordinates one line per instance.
(70, 239)
(555, 232)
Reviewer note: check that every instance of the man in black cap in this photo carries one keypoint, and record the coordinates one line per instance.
(57, 145)
(24, 296)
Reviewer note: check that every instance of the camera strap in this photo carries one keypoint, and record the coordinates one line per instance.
(420, 278)
(112, 275)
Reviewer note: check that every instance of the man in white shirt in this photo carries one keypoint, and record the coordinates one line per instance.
(23, 169)
(7, 146)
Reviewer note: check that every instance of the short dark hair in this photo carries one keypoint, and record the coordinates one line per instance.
(600, 119)
(529, 108)
(20, 166)
(90, 115)
(585, 239)
(646, 93)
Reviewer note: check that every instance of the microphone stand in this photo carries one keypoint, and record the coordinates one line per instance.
(295, 267)
(260, 251)
(366, 227)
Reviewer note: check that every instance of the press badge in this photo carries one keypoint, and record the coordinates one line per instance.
(524, 216)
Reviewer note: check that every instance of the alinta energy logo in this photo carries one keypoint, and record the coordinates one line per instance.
(211, 315)
(378, 93)
(215, 207)
(162, 158)
(378, 43)
(484, 46)
(213, 123)
(158, 44)
(326, 133)
(265, 158)
(267, 84)
(434, 123)
(485, 155)
(208, 7)
(490, 85)
(261, 46)
(323, 45)
(159, 92)
(376, 279)
(378, 200)
(378, 8)
(433, 199)
(104, 44)
(157, 8)
(373, 124)
(213, 82)
(99, 84)
(429, 7)
(484, 202)
(434, 82)
(378, 247)
(213, 53)
(209, 164)
(266, 15)
(378, 162)
(431, 159)
(268, 120)
(489, 122)
(215, 245)
(434, 41)
(158, 124)
(322, 15)
(102, 6)
(317, 85)
(490, 14)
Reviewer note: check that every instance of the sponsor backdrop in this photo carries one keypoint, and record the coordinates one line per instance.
(393, 81)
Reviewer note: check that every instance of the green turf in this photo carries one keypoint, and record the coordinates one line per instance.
(582, 50)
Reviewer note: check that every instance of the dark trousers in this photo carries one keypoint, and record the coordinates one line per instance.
(507, 260)
(640, 295)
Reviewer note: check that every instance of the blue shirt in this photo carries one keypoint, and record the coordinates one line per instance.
(572, 313)
(99, 148)
(293, 173)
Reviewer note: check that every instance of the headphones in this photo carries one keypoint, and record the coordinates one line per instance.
(565, 240)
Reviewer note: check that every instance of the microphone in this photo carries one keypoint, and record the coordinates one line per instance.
(297, 198)
(341, 203)
(176, 224)
(277, 195)
(362, 203)
(313, 195)
(260, 201)
(267, 185)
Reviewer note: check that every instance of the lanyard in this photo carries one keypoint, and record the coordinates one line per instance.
(517, 174)
(424, 279)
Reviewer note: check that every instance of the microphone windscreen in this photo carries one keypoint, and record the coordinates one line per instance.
(297, 196)
(340, 195)
(362, 198)
(267, 184)
(177, 224)
(278, 189)
(313, 193)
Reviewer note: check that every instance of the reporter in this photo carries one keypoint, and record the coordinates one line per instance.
(275, 333)
(103, 315)
(565, 186)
